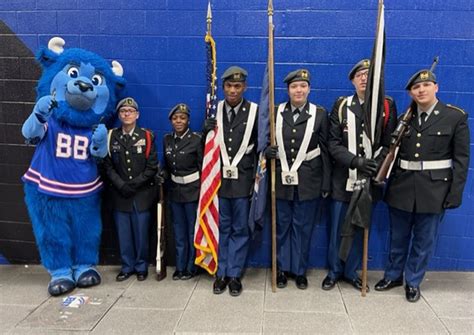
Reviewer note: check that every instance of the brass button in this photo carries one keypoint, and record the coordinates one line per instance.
(126, 152)
(294, 130)
(292, 140)
(292, 150)
(417, 155)
(361, 145)
(418, 135)
(230, 140)
(439, 133)
(230, 130)
(292, 159)
(130, 177)
(418, 145)
(445, 179)
(230, 149)
(129, 169)
(128, 160)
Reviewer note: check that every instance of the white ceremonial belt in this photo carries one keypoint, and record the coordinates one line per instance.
(312, 154)
(185, 179)
(426, 165)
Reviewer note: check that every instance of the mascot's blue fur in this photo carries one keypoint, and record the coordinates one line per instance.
(77, 93)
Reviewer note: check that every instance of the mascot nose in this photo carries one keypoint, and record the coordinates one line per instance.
(83, 86)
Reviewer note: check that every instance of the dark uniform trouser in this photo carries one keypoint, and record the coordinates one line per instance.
(337, 267)
(132, 229)
(295, 220)
(184, 219)
(419, 229)
(234, 235)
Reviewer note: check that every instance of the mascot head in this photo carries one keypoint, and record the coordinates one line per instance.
(85, 85)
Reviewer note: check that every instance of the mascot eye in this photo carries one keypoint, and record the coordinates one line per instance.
(97, 80)
(73, 72)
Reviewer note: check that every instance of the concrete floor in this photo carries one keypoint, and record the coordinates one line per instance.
(173, 307)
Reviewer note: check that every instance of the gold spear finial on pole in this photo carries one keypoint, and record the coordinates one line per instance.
(209, 17)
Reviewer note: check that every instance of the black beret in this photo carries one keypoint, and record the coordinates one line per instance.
(361, 65)
(179, 108)
(234, 73)
(298, 75)
(420, 76)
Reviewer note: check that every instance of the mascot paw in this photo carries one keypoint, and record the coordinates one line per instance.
(61, 286)
(88, 278)
(44, 107)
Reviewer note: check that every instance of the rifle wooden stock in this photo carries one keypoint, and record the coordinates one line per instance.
(397, 137)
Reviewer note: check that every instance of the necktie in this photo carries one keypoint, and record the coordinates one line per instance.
(423, 118)
(126, 138)
(231, 115)
(296, 114)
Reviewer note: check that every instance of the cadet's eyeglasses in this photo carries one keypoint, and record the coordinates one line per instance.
(362, 74)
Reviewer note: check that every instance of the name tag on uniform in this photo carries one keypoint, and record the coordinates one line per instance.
(230, 172)
(289, 178)
(139, 150)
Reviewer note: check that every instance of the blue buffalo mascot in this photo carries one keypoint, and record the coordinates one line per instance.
(77, 92)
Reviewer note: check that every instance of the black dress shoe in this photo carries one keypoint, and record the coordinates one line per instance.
(141, 276)
(282, 281)
(235, 286)
(219, 285)
(186, 275)
(328, 283)
(301, 282)
(60, 286)
(88, 278)
(357, 283)
(385, 284)
(177, 275)
(412, 293)
(123, 276)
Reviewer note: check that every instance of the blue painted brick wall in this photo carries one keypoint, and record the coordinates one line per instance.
(160, 44)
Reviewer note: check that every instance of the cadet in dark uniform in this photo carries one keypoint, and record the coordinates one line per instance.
(302, 176)
(183, 151)
(237, 133)
(348, 154)
(428, 178)
(131, 167)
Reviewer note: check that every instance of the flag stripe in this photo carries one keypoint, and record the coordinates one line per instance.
(206, 234)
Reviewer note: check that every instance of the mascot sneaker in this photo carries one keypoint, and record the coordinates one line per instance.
(61, 286)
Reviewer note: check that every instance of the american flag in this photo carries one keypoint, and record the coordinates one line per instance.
(206, 233)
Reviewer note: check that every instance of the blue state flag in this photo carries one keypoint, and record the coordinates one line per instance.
(259, 197)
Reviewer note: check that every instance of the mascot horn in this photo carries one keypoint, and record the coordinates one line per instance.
(77, 91)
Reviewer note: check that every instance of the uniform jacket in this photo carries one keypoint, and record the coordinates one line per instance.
(445, 135)
(314, 175)
(183, 157)
(127, 164)
(233, 136)
(338, 143)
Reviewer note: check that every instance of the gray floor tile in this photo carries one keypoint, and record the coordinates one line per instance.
(380, 314)
(457, 276)
(450, 298)
(54, 315)
(138, 321)
(165, 294)
(25, 289)
(28, 331)
(11, 315)
(459, 326)
(305, 323)
(207, 312)
(313, 299)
